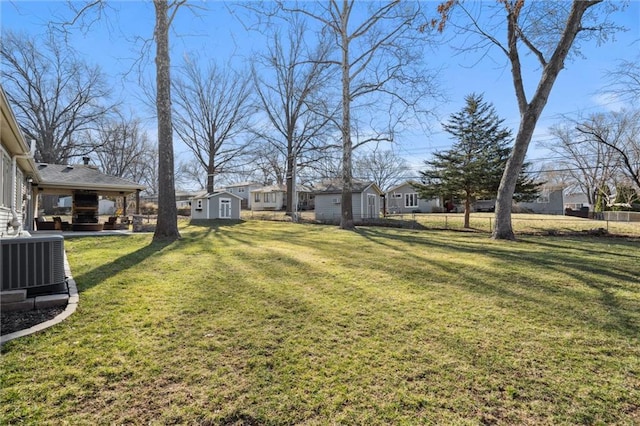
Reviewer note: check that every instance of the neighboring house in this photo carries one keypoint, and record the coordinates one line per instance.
(183, 198)
(243, 190)
(483, 206)
(273, 197)
(404, 199)
(575, 199)
(17, 172)
(366, 200)
(306, 198)
(219, 205)
(550, 201)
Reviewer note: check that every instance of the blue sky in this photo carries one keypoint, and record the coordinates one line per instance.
(216, 33)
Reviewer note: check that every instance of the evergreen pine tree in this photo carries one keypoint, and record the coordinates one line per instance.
(471, 170)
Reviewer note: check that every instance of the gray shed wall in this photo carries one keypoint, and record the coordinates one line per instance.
(327, 209)
(554, 206)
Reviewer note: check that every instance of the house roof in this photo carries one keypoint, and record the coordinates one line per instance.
(395, 188)
(59, 179)
(282, 188)
(271, 188)
(217, 194)
(334, 186)
(236, 185)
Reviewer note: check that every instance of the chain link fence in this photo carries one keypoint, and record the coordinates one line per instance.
(613, 223)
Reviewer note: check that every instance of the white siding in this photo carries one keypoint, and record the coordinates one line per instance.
(6, 192)
(397, 201)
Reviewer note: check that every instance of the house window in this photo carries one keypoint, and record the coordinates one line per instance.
(19, 189)
(5, 172)
(199, 204)
(240, 190)
(396, 195)
(411, 200)
(543, 197)
(268, 197)
(256, 197)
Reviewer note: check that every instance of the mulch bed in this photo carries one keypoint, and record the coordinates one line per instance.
(16, 321)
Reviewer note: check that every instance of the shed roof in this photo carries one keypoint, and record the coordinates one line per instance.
(217, 194)
(334, 186)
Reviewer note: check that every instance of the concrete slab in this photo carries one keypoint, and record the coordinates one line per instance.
(25, 305)
(51, 301)
(12, 296)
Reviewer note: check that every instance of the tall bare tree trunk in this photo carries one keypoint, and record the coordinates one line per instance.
(211, 171)
(290, 174)
(167, 226)
(530, 112)
(346, 219)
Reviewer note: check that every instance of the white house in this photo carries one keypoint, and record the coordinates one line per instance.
(273, 197)
(404, 198)
(17, 171)
(219, 205)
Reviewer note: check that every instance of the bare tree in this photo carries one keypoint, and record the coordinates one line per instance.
(625, 79)
(269, 163)
(165, 12)
(191, 172)
(213, 108)
(322, 165)
(546, 30)
(380, 69)
(619, 133)
(167, 225)
(385, 168)
(55, 94)
(590, 166)
(147, 172)
(291, 88)
(122, 148)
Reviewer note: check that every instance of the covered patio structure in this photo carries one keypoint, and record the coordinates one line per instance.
(85, 184)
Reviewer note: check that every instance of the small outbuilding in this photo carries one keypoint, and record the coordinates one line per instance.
(219, 205)
(365, 198)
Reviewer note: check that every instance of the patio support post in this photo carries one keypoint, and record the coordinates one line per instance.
(124, 205)
(137, 201)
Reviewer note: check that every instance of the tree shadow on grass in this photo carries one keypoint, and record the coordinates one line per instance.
(200, 231)
(97, 275)
(214, 224)
(567, 259)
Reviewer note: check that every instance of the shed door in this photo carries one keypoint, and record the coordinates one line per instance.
(371, 206)
(225, 208)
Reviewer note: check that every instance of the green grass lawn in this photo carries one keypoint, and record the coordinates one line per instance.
(280, 323)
